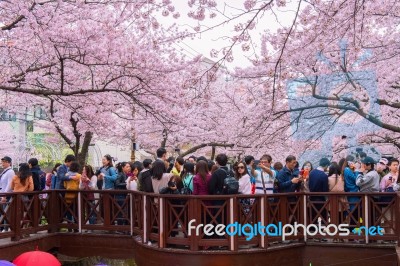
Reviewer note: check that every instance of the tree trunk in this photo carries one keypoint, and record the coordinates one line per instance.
(212, 153)
(84, 151)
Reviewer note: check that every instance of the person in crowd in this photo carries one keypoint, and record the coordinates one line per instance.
(214, 168)
(144, 178)
(107, 174)
(159, 178)
(36, 173)
(187, 176)
(5, 185)
(72, 179)
(288, 180)
(336, 185)
(161, 154)
(170, 163)
(124, 169)
(251, 170)
(201, 158)
(132, 178)
(216, 184)
(54, 176)
(210, 165)
(192, 159)
(242, 175)
(318, 182)
(382, 167)
(62, 171)
(23, 181)
(201, 179)
(88, 184)
(265, 176)
(368, 179)
(304, 174)
(390, 179)
(278, 166)
(347, 166)
(138, 165)
(388, 184)
(178, 166)
(6, 177)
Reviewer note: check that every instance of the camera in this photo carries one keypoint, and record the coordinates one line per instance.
(171, 184)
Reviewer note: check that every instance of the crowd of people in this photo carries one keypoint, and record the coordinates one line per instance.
(201, 176)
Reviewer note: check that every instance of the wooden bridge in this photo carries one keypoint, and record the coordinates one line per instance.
(153, 229)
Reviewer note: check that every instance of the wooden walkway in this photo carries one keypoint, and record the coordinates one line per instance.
(158, 224)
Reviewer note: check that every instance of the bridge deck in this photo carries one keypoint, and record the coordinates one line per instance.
(158, 224)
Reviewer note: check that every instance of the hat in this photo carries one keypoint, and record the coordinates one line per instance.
(368, 160)
(384, 161)
(324, 162)
(6, 158)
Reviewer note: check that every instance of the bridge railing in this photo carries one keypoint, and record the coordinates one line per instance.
(170, 221)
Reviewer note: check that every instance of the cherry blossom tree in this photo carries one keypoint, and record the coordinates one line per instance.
(88, 64)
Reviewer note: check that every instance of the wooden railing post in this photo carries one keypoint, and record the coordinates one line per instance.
(366, 217)
(284, 207)
(35, 211)
(106, 199)
(162, 225)
(233, 216)
(16, 218)
(131, 218)
(397, 219)
(194, 213)
(303, 210)
(145, 237)
(262, 214)
(80, 211)
(53, 211)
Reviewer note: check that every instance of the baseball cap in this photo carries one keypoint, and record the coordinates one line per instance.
(6, 158)
(368, 160)
(384, 161)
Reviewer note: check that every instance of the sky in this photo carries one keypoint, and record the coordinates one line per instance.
(203, 43)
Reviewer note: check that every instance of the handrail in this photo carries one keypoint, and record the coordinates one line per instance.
(163, 220)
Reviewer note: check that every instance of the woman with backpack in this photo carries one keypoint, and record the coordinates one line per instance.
(187, 176)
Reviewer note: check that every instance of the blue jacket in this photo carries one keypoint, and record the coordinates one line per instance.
(110, 175)
(60, 178)
(285, 177)
(318, 181)
(350, 180)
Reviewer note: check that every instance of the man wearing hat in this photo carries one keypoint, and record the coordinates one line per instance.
(5, 183)
(381, 167)
(368, 179)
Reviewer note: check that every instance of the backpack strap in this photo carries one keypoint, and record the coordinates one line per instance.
(263, 182)
(184, 183)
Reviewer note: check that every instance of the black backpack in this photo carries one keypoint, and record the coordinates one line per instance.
(231, 184)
